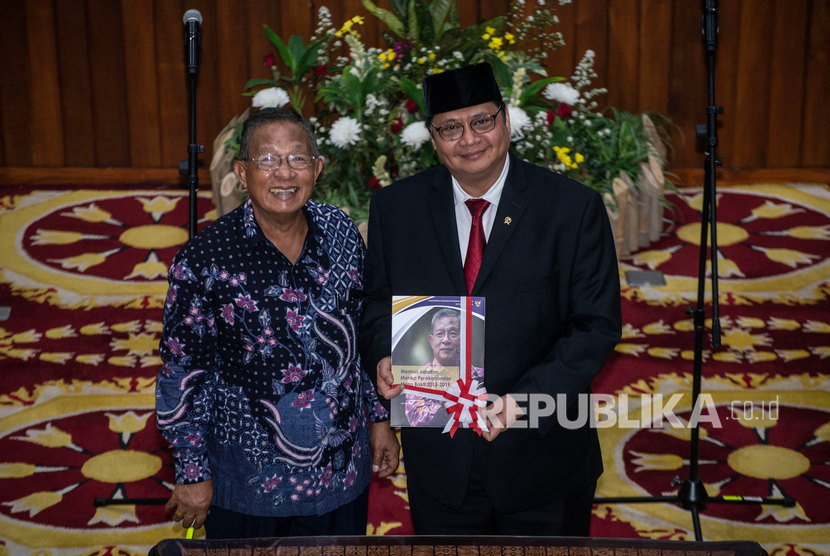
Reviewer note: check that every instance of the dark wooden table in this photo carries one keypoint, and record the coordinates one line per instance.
(452, 546)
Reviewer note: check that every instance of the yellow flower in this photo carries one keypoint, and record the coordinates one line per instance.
(486, 36)
(348, 27)
(422, 60)
(562, 153)
(489, 30)
(509, 37)
(431, 56)
(495, 43)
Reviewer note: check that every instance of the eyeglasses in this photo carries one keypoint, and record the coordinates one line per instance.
(269, 162)
(440, 335)
(453, 131)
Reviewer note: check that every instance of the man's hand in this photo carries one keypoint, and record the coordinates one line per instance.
(507, 411)
(385, 380)
(190, 503)
(385, 449)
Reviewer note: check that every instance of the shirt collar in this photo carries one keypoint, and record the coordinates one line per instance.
(493, 194)
(253, 233)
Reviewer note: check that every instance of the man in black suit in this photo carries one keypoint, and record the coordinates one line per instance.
(549, 276)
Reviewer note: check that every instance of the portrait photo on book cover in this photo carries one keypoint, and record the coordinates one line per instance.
(435, 341)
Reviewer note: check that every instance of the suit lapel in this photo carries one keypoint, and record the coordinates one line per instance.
(442, 211)
(512, 205)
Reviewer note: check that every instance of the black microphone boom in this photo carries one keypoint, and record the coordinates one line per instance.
(192, 45)
(192, 40)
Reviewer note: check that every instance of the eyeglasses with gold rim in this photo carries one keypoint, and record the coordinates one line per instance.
(268, 162)
(480, 125)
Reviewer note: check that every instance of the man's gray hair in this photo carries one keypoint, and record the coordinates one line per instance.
(265, 116)
(454, 313)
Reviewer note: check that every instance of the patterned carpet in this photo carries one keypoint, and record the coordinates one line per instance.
(83, 277)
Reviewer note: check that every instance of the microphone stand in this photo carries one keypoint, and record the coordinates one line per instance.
(189, 167)
(692, 494)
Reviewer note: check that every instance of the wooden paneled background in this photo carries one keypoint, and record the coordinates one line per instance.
(101, 84)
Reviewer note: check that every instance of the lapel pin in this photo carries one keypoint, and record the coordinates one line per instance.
(507, 220)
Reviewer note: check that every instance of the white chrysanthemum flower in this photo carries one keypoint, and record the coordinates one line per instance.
(415, 134)
(519, 121)
(345, 132)
(561, 92)
(273, 97)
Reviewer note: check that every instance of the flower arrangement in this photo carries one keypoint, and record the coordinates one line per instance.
(368, 107)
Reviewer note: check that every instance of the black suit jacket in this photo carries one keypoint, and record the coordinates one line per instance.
(550, 279)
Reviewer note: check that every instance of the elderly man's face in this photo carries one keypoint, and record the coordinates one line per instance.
(280, 193)
(476, 159)
(445, 341)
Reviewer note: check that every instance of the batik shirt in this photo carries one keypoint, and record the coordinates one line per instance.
(262, 389)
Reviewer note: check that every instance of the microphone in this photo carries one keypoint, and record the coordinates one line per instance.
(710, 25)
(192, 40)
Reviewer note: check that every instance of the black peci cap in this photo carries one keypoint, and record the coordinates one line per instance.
(460, 88)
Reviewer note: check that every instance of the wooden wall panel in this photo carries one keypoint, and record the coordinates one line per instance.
(687, 85)
(623, 60)
(109, 85)
(47, 127)
(592, 33)
(101, 82)
(816, 140)
(15, 86)
(788, 57)
(74, 74)
(654, 61)
(562, 61)
(172, 91)
(142, 83)
(753, 76)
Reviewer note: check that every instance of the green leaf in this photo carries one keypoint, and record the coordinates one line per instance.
(413, 25)
(256, 82)
(309, 57)
(282, 50)
(440, 10)
(412, 91)
(296, 47)
(351, 86)
(399, 7)
(395, 25)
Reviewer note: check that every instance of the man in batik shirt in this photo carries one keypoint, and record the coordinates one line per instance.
(262, 393)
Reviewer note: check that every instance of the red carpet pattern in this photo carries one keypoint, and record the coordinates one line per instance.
(768, 384)
(84, 278)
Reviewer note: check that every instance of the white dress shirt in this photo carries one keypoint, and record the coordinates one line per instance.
(463, 218)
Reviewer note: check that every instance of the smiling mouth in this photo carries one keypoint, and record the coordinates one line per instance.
(473, 155)
(282, 191)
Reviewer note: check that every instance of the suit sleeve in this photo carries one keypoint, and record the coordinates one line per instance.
(593, 323)
(376, 325)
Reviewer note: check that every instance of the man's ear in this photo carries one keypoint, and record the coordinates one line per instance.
(241, 171)
(318, 168)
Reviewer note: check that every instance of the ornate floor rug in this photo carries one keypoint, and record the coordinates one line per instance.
(83, 278)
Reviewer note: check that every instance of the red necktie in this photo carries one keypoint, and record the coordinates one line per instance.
(475, 248)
